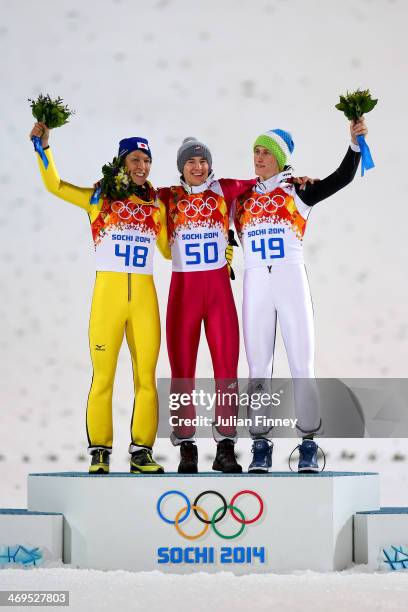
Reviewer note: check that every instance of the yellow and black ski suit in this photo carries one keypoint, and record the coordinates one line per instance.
(124, 302)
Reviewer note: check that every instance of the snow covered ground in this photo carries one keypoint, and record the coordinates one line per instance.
(126, 592)
(221, 70)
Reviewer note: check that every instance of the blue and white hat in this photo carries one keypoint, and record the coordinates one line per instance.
(136, 143)
(279, 143)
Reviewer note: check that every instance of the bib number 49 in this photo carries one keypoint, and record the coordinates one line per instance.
(196, 253)
(273, 248)
(138, 256)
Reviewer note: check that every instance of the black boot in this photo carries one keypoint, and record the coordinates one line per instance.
(142, 462)
(188, 458)
(100, 461)
(225, 460)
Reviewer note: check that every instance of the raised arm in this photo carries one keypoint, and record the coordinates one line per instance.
(312, 193)
(80, 196)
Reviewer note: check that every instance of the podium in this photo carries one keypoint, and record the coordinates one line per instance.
(30, 538)
(378, 530)
(208, 522)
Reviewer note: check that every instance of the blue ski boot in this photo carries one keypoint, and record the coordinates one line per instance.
(262, 461)
(308, 457)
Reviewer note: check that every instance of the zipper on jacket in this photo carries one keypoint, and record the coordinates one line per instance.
(129, 287)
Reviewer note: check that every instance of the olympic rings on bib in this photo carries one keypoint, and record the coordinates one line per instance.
(129, 210)
(201, 514)
(264, 204)
(197, 206)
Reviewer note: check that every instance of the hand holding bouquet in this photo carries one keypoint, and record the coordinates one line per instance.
(354, 106)
(49, 114)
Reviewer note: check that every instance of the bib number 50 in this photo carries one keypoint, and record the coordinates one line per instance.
(196, 252)
(138, 256)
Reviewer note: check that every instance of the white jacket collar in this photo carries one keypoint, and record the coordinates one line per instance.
(198, 188)
(271, 183)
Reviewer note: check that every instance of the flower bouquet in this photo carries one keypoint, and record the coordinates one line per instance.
(354, 105)
(51, 112)
(115, 184)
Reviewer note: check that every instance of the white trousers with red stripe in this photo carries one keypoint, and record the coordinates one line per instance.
(281, 292)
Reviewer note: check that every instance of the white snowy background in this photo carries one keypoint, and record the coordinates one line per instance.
(223, 71)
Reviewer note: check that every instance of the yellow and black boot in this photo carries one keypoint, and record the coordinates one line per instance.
(100, 461)
(142, 462)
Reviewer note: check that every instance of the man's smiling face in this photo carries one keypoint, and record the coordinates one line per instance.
(138, 166)
(196, 171)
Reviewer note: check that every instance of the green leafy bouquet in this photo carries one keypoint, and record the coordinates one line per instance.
(54, 113)
(115, 183)
(51, 112)
(354, 105)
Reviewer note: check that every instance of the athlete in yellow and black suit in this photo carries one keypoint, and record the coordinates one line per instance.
(124, 299)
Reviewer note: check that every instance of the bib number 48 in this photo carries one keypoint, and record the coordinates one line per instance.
(196, 252)
(273, 248)
(138, 256)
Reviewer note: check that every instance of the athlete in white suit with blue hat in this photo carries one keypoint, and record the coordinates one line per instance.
(271, 220)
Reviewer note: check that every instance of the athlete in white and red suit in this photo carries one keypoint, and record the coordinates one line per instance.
(198, 212)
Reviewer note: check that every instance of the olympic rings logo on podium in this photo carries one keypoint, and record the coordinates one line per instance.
(198, 206)
(203, 516)
(125, 211)
(264, 203)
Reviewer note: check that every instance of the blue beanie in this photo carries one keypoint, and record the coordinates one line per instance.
(136, 143)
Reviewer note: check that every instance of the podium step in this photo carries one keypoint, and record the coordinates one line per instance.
(379, 530)
(207, 522)
(30, 537)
